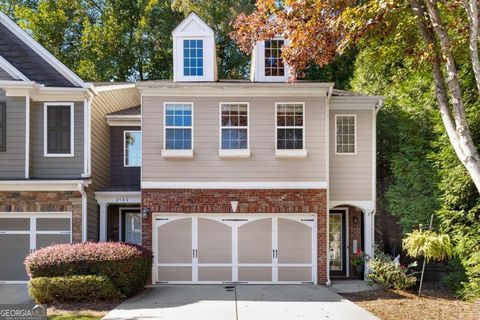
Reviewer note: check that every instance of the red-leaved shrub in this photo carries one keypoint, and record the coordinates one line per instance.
(126, 265)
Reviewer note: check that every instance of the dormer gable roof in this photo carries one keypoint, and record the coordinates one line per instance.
(193, 26)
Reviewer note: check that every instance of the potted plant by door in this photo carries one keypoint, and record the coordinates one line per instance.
(358, 262)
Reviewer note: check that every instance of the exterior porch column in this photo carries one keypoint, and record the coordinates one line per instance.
(369, 236)
(103, 221)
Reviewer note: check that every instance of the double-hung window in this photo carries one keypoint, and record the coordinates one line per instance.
(3, 126)
(192, 58)
(274, 65)
(234, 130)
(58, 129)
(132, 147)
(178, 129)
(290, 130)
(345, 139)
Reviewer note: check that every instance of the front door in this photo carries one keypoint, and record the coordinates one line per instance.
(132, 227)
(338, 243)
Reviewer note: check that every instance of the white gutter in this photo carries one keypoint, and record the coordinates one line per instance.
(27, 137)
(81, 189)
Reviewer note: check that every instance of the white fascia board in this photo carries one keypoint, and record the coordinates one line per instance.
(205, 28)
(114, 87)
(11, 70)
(39, 49)
(219, 91)
(42, 185)
(40, 93)
(236, 185)
(367, 206)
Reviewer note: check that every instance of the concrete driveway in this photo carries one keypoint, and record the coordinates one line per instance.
(240, 302)
(14, 294)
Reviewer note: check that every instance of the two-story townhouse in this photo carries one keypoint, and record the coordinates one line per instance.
(257, 181)
(54, 150)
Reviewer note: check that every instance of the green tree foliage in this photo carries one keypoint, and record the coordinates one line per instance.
(428, 244)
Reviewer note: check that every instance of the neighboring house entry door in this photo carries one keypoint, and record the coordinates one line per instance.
(245, 249)
(23, 233)
(338, 243)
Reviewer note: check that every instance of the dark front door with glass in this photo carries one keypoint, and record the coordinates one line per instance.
(338, 243)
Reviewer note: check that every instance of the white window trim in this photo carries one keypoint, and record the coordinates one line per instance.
(290, 153)
(125, 148)
(182, 61)
(260, 64)
(176, 153)
(233, 153)
(72, 130)
(354, 137)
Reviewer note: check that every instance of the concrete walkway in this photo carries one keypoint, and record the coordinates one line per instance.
(14, 294)
(352, 286)
(240, 302)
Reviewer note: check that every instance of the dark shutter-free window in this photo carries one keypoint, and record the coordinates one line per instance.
(3, 126)
(58, 129)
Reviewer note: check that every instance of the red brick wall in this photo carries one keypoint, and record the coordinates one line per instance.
(249, 201)
(354, 233)
(61, 201)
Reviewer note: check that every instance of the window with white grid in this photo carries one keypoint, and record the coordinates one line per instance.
(234, 125)
(290, 126)
(345, 134)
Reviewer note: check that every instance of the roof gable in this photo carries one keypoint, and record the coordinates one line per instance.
(31, 59)
(193, 25)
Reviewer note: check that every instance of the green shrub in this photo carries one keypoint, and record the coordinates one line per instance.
(390, 274)
(126, 266)
(72, 288)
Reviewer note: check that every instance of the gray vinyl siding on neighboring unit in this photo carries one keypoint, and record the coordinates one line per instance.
(351, 174)
(56, 167)
(12, 161)
(4, 75)
(262, 166)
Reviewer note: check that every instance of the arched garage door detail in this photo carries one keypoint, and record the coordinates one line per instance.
(246, 249)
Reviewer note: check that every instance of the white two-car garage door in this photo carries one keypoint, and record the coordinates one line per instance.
(218, 249)
(23, 233)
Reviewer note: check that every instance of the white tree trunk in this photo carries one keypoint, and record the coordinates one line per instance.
(456, 124)
(471, 7)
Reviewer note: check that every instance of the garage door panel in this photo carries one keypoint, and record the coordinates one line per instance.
(295, 274)
(255, 274)
(174, 274)
(214, 242)
(53, 224)
(14, 224)
(214, 273)
(174, 241)
(13, 248)
(255, 242)
(294, 242)
(45, 240)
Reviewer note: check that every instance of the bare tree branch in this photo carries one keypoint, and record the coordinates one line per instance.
(471, 7)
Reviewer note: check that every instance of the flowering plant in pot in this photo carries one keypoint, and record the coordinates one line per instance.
(358, 261)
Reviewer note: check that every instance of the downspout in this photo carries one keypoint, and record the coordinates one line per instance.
(27, 136)
(327, 143)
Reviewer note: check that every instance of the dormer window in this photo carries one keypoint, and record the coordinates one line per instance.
(192, 58)
(274, 65)
(267, 62)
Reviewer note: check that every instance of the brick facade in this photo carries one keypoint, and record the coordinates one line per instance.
(354, 233)
(61, 201)
(249, 201)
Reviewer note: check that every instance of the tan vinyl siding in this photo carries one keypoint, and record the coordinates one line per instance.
(12, 161)
(56, 167)
(206, 164)
(351, 174)
(103, 104)
(4, 75)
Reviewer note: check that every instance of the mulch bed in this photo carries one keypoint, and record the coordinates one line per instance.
(437, 302)
(94, 308)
